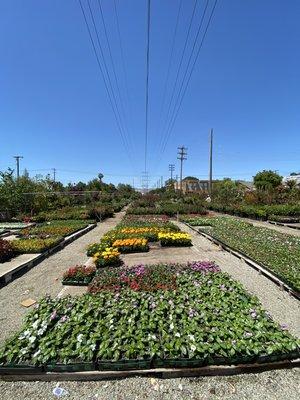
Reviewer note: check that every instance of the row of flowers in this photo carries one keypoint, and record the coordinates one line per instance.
(279, 252)
(208, 319)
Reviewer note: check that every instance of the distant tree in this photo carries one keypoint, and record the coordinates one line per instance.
(294, 173)
(267, 180)
(227, 192)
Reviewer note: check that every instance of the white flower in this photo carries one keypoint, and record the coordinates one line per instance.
(191, 337)
(32, 339)
(35, 324)
(177, 334)
(153, 337)
(172, 326)
(80, 338)
(23, 351)
(93, 346)
(26, 333)
(193, 347)
(36, 353)
(40, 331)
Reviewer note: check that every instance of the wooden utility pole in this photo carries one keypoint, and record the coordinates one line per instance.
(171, 169)
(210, 161)
(181, 156)
(18, 165)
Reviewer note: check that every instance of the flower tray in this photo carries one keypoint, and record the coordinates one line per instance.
(76, 283)
(178, 363)
(123, 365)
(72, 367)
(176, 244)
(20, 368)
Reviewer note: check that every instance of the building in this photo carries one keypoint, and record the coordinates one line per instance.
(295, 177)
(191, 184)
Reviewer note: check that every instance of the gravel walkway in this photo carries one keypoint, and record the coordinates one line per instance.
(284, 308)
(45, 278)
(271, 385)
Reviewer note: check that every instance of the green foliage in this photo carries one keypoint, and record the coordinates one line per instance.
(36, 245)
(227, 192)
(278, 252)
(6, 250)
(267, 180)
(227, 325)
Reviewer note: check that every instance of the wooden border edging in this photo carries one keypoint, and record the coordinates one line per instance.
(252, 263)
(286, 225)
(19, 270)
(164, 373)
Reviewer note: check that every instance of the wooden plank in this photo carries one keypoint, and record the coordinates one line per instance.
(212, 370)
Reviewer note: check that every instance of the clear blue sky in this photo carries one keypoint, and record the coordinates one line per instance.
(54, 109)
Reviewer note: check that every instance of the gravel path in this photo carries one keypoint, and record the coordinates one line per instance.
(271, 385)
(284, 308)
(45, 278)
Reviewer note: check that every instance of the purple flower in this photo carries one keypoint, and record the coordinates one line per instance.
(284, 327)
(204, 266)
(63, 319)
(152, 305)
(248, 334)
(53, 315)
(222, 287)
(192, 313)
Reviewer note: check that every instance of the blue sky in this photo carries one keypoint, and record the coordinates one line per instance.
(54, 109)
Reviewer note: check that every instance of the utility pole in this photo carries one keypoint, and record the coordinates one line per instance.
(176, 182)
(171, 169)
(18, 165)
(161, 181)
(54, 174)
(210, 161)
(181, 156)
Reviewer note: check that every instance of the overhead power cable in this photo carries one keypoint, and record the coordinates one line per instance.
(186, 71)
(110, 96)
(178, 70)
(114, 72)
(147, 81)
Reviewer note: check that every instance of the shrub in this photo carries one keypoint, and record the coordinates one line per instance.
(6, 250)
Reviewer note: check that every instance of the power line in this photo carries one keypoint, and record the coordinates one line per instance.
(170, 59)
(185, 73)
(190, 74)
(147, 80)
(104, 80)
(122, 56)
(114, 71)
(179, 67)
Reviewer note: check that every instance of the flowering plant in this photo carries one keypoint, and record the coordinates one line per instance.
(79, 274)
(131, 245)
(175, 239)
(107, 258)
(6, 250)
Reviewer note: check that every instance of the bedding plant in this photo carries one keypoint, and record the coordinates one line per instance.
(54, 228)
(109, 257)
(175, 239)
(131, 245)
(6, 250)
(34, 245)
(205, 318)
(278, 252)
(79, 274)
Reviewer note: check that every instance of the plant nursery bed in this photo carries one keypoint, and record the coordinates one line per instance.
(249, 260)
(20, 264)
(14, 375)
(172, 315)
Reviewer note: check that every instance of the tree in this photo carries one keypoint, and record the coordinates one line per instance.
(267, 180)
(227, 192)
